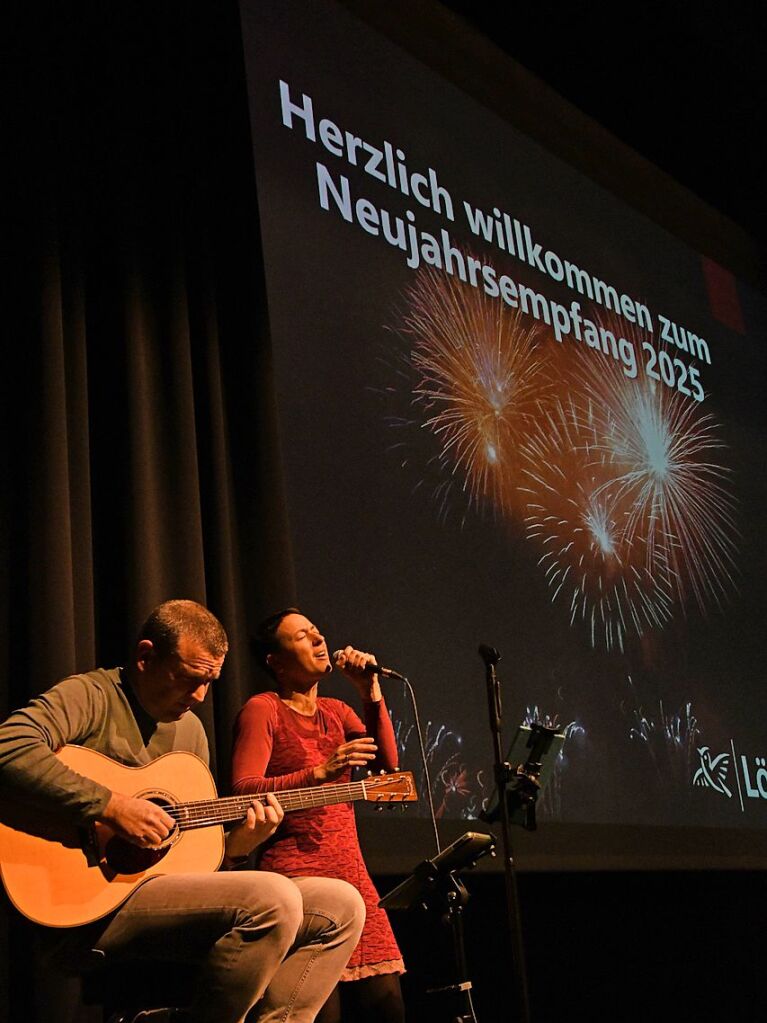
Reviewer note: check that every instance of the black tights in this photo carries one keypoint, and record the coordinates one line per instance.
(371, 1000)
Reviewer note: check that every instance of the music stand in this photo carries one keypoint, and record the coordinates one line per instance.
(433, 885)
(529, 765)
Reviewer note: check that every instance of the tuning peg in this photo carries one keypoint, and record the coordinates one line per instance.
(370, 774)
(379, 807)
(382, 771)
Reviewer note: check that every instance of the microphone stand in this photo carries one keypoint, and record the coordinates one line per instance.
(502, 777)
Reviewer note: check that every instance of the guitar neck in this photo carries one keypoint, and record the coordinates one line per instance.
(205, 812)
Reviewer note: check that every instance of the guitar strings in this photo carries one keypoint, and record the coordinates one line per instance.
(201, 812)
(231, 807)
(205, 812)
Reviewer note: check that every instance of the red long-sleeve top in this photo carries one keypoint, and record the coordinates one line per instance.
(276, 748)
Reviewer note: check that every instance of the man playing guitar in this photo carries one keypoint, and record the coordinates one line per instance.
(258, 937)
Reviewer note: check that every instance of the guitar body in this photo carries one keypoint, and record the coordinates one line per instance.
(59, 884)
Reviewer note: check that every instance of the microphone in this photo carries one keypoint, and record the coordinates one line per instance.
(372, 669)
(488, 654)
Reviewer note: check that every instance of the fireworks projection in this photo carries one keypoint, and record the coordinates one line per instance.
(669, 741)
(575, 511)
(625, 496)
(662, 447)
(480, 372)
(443, 754)
(614, 475)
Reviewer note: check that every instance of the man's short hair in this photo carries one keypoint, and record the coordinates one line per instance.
(176, 618)
(265, 640)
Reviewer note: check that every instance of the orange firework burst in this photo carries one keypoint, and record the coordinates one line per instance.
(625, 494)
(480, 373)
(664, 450)
(577, 513)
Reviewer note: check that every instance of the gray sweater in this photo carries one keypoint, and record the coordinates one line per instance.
(97, 710)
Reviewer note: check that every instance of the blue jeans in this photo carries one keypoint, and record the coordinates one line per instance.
(258, 938)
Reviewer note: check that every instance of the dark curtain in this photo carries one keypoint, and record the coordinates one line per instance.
(140, 448)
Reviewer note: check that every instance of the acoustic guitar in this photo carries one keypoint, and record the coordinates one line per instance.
(84, 876)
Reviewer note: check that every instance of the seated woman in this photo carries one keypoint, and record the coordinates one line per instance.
(293, 739)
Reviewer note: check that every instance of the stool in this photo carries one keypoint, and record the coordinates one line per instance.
(125, 990)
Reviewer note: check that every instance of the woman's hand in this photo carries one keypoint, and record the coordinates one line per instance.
(355, 753)
(353, 663)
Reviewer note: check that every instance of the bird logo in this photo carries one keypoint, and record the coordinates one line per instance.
(712, 771)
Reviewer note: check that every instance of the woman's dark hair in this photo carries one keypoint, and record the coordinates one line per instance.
(265, 640)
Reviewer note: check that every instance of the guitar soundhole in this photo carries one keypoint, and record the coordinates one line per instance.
(123, 857)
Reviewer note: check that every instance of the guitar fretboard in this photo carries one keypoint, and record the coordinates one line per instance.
(204, 812)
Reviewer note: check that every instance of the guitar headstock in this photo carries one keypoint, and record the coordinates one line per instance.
(391, 788)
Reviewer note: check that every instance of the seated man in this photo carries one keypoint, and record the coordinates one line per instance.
(258, 937)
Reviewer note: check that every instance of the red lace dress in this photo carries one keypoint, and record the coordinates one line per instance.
(275, 748)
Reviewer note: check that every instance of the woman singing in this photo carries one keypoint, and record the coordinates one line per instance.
(293, 739)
